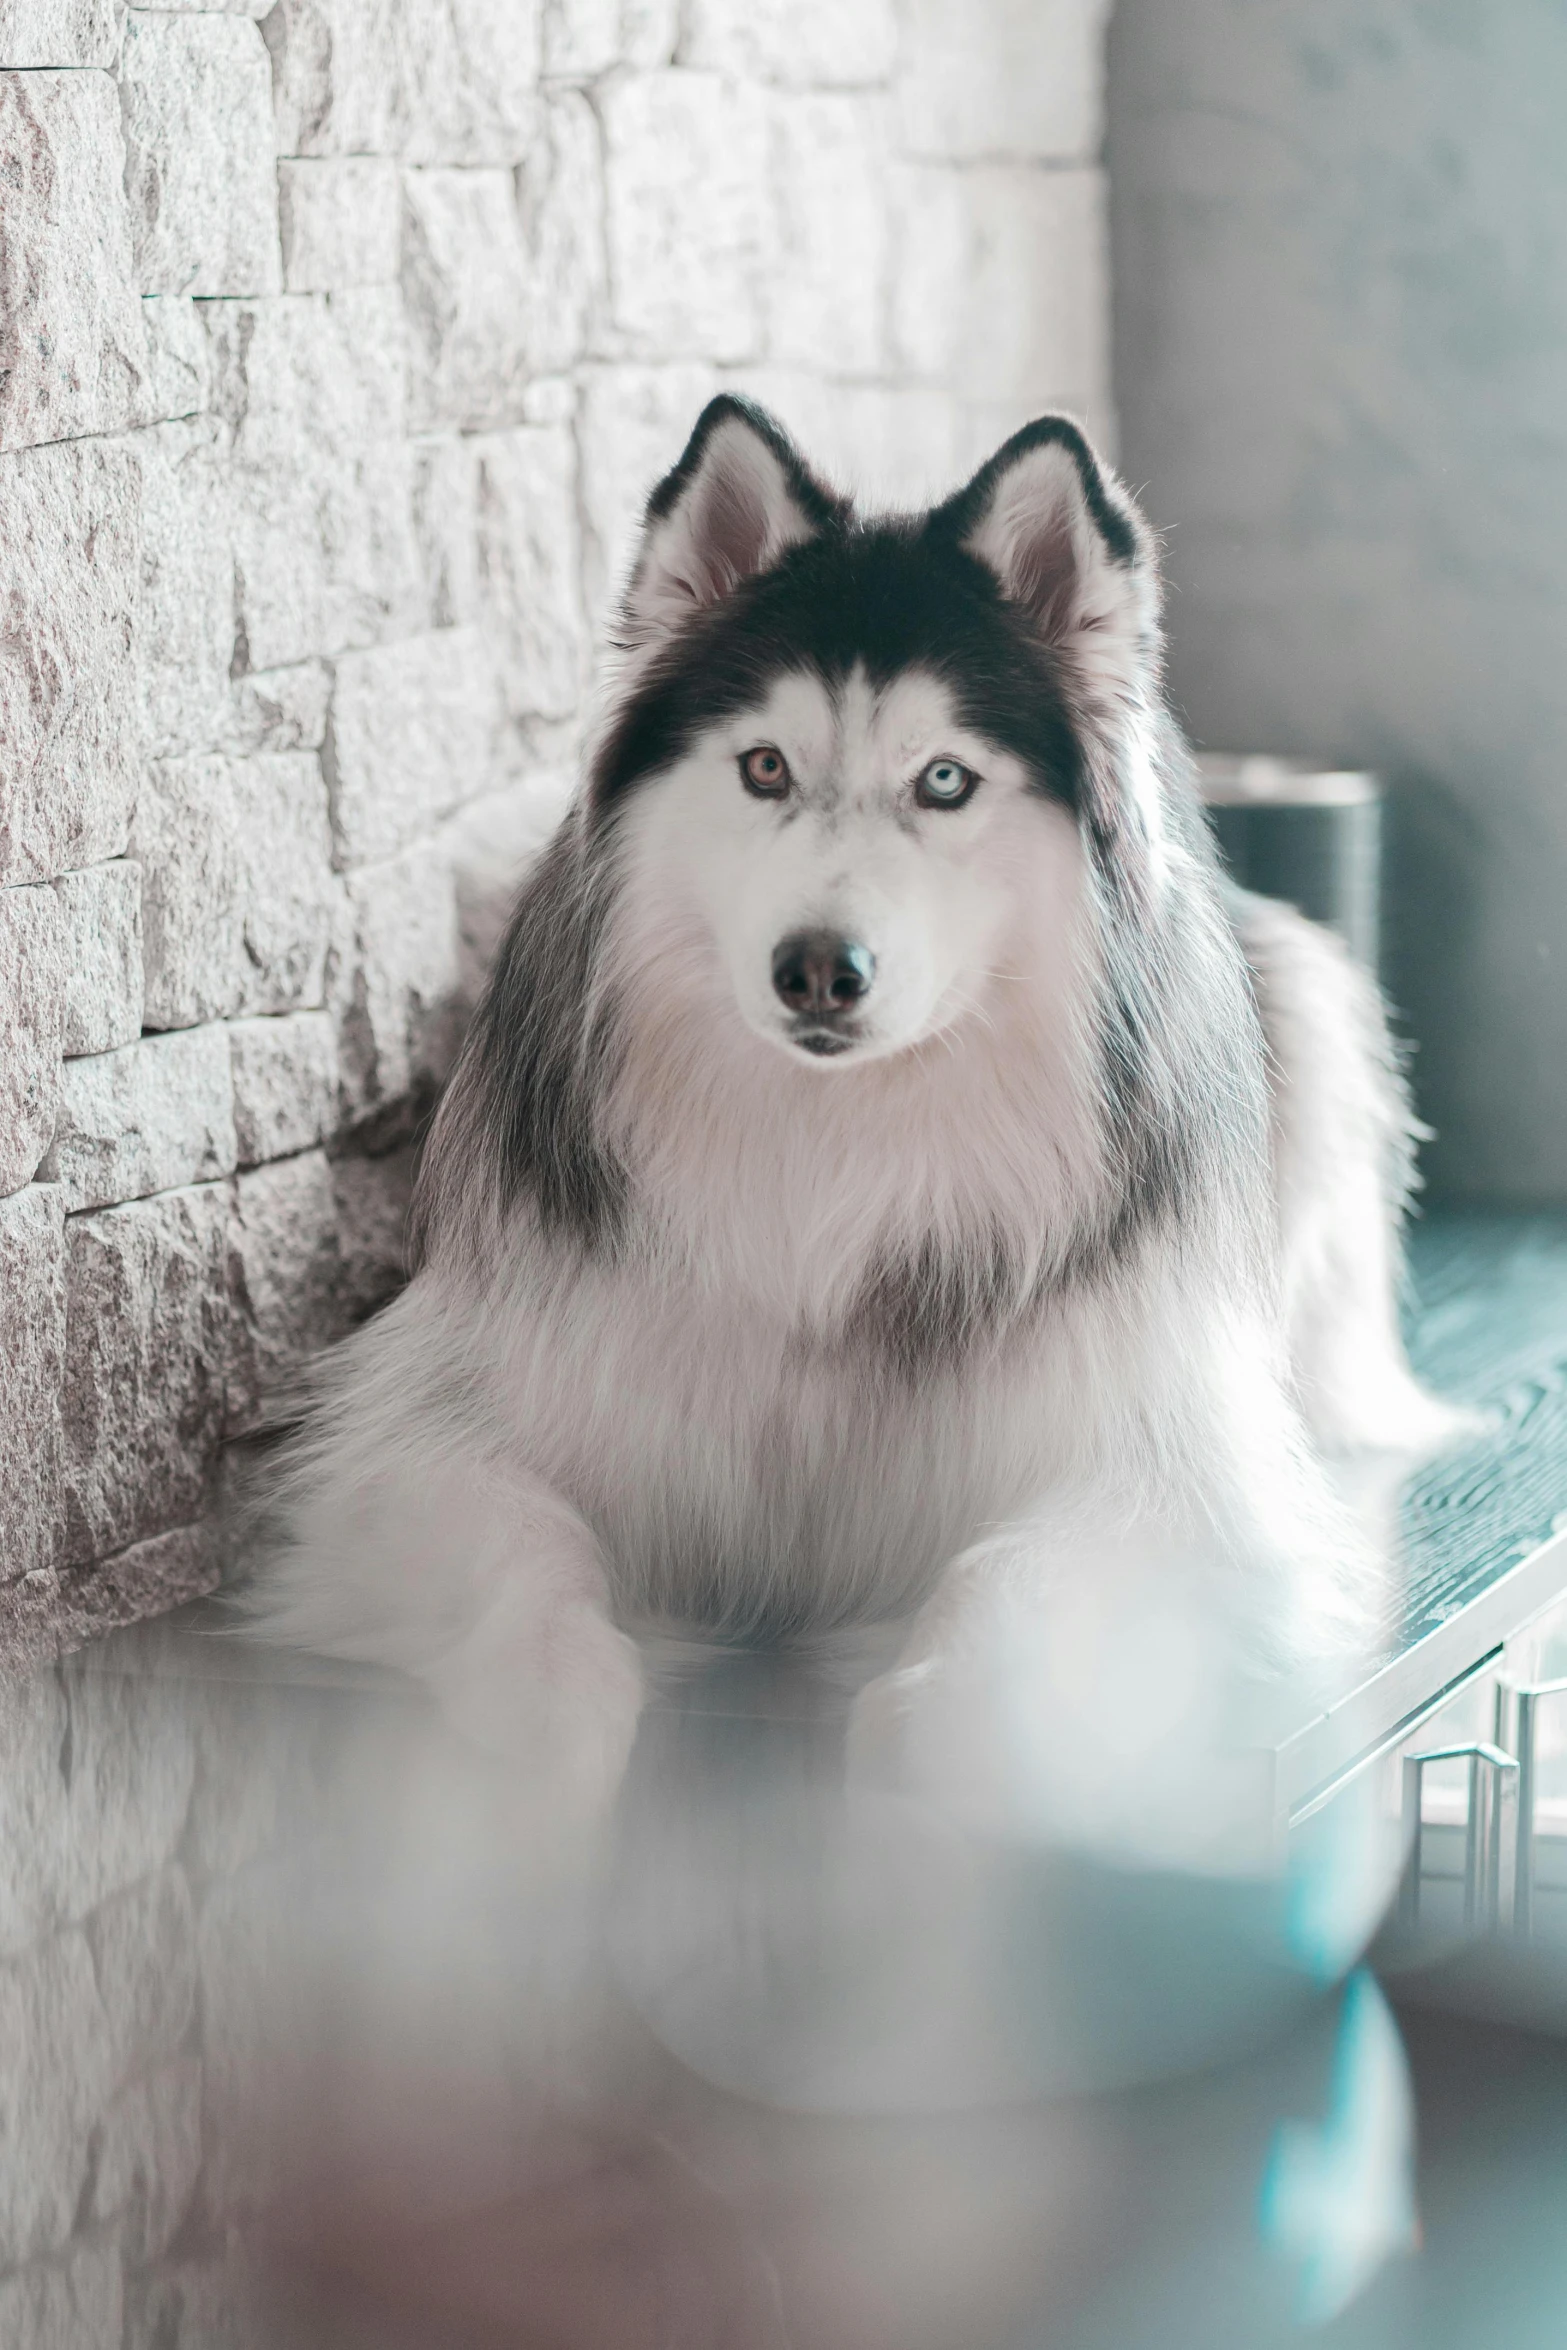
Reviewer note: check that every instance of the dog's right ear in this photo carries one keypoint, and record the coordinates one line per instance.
(739, 498)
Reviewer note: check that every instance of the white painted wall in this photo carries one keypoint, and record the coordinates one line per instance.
(1340, 254)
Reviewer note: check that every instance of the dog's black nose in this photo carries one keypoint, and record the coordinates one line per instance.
(817, 973)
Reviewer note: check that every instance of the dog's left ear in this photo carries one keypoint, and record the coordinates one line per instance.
(1064, 541)
(739, 499)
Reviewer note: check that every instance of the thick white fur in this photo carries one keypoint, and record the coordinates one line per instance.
(536, 1452)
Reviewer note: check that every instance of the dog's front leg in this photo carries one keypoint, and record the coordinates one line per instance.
(537, 1672)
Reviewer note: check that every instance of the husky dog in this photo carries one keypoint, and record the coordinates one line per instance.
(883, 1151)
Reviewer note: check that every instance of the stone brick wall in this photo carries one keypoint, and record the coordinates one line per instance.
(339, 342)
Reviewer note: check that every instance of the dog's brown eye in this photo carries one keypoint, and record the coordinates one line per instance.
(945, 784)
(765, 772)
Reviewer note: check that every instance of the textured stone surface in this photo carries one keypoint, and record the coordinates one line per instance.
(448, 81)
(1030, 89)
(396, 987)
(187, 622)
(284, 1278)
(149, 2157)
(810, 44)
(100, 916)
(60, 2059)
(313, 391)
(371, 1198)
(412, 733)
(199, 155)
(339, 220)
(635, 421)
(178, 369)
(491, 846)
(153, 1115)
(69, 524)
(285, 1084)
(32, 1024)
(239, 901)
(73, 347)
(465, 286)
(687, 213)
(530, 582)
(280, 709)
(560, 201)
(95, 1784)
(966, 242)
(825, 292)
(32, 1366)
(143, 1580)
(60, 32)
(75, 2304)
(146, 1356)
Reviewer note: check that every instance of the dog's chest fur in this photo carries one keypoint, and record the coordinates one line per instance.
(750, 1477)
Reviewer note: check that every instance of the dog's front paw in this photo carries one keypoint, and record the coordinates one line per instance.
(555, 1691)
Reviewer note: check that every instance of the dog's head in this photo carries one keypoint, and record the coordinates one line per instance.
(856, 756)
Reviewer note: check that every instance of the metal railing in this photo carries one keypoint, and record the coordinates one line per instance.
(1499, 1829)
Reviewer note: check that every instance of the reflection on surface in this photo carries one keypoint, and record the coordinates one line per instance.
(318, 2031)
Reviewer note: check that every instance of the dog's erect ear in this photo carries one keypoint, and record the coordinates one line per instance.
(739, 498)
(1064, 541)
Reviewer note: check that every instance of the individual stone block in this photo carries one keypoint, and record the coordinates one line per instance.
(146, 1580)
(825, 296)
(395, 989)
(446, 528)
(149, 2158)
(466, 290)
(75, 2304)
(469, 70)
(60, 32)
(1030, 90)
(337, 76)
(146, 1350)
(284, 1273)
(152, 1115)
(529, 575)
(196, 93)
(492, 845)
(372, 1198)
(32, 1024)
(100, 913)
(32, 1370)
(582, 38)
(73, 348)
(808, 45)
(687, 214)
(313, 392)
(239, 900)
(412, 733)
(285, 1084)
(187, 625)
(967, 242)
(281, 709)
(177, 361)
(340, 218)
(635, 422)
(69, 525)
(560, 202)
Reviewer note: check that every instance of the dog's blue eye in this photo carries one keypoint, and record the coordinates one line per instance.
(765, 772)
(945, 784)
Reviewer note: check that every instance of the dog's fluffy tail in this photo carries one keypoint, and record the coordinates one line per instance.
(1344, 1135)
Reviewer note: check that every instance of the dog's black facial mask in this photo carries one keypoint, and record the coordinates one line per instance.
(1030, 594)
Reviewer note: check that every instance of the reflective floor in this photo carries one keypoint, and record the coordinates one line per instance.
(316, 2032)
